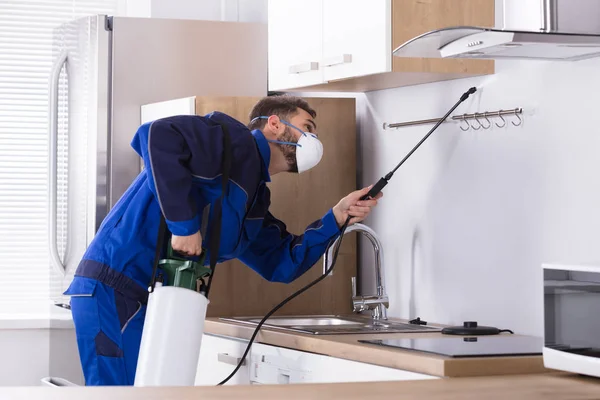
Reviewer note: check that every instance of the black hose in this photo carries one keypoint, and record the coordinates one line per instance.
(288, 299)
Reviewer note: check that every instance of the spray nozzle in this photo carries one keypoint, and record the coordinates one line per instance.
(468, 93)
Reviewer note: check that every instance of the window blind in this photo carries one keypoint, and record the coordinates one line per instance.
(25, 62)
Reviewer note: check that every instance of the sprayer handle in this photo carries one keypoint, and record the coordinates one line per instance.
(375, 189)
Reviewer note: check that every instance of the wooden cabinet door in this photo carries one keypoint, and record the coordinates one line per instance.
(298, 200)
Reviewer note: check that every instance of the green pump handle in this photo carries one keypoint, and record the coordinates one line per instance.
(182, 272)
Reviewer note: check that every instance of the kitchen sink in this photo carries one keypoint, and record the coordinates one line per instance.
(302, 321)
(333, 324)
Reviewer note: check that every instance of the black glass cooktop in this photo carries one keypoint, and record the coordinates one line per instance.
(471, 346)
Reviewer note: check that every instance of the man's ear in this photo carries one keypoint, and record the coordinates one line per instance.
(272, 127)
(274, 121)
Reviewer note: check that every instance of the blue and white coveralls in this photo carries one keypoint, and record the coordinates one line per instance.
(182, 174)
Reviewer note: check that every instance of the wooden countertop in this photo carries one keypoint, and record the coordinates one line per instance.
(531, 387)
(348, 347)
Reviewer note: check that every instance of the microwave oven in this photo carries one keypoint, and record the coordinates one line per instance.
(572, 318)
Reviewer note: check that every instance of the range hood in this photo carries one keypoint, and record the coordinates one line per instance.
(565, 30)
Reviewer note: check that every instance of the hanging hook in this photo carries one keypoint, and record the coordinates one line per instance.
(487, 119)
(464, 119)
(480, 126)
(502, 118)
(518, 116)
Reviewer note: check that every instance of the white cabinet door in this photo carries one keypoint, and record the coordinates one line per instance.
(295, 43)
(276, 365)
(357, 38)
(218, 358)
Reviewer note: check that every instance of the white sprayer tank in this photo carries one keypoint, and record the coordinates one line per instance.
(171, 337)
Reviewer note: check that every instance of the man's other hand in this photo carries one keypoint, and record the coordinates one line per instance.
(188, 245)
(352, 206)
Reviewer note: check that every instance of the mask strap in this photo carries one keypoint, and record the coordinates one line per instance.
(283, 122)
(254, 119)
(288, 143)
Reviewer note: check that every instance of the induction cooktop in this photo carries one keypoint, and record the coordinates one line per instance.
(471, 346)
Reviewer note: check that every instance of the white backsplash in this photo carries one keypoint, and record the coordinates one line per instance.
(467, 222)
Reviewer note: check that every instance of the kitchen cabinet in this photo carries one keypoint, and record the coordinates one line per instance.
(268, 364)
(295, 42)
(277, 365)
(315, 41)
(346, 45)
(356, 38)
(293, 200)
(218, 358)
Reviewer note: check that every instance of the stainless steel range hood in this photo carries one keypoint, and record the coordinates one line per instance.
(566, 30)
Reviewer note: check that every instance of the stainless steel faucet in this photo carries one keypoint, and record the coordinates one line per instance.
(379, 303)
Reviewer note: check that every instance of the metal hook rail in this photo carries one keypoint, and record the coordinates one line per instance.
(478, 117)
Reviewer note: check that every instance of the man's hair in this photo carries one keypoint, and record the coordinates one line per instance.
(284, 106)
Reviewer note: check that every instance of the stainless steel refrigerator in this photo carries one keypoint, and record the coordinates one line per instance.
(105, 69)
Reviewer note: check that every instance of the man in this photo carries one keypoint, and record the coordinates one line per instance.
(183, 169)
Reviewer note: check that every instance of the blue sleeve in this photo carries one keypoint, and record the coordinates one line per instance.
(280, 256)
(174, 150)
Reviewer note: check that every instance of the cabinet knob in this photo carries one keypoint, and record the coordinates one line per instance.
(337, 60)
(229, 359)
(304, 67)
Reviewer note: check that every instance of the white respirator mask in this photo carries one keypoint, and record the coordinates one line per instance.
(309, 149)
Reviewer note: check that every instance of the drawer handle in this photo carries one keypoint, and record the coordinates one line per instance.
(229, 359)
(337, 60)
(304, 67)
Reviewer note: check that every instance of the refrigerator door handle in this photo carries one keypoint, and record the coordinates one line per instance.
(55, 260)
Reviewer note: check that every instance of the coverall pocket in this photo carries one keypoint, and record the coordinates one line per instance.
(127, 309)
(81, 287)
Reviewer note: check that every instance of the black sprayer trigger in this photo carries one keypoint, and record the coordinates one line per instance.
(376, 189)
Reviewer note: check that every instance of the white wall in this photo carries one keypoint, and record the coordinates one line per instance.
(189, 9)
(64, 356)
(25, 356)
(210, 10)
(34, 348)
(468, 220)
(29, 355)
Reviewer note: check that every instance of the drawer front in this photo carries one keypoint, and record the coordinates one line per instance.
(218, 358)
(276, 365)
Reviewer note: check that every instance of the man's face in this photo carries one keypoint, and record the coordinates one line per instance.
(301, 120)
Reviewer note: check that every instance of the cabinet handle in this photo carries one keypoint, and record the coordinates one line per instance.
(337, 60)
(229, 359)
(304, 67)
